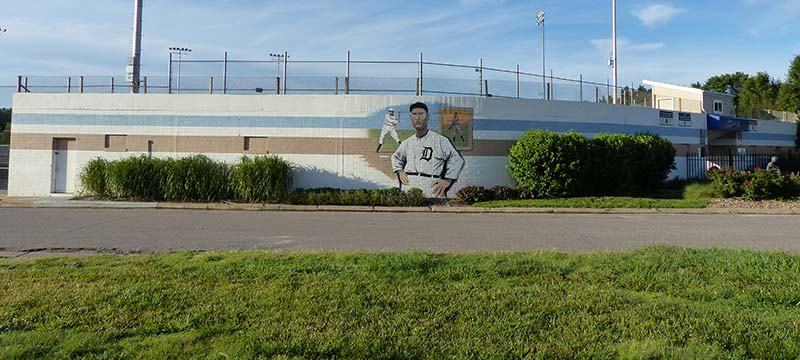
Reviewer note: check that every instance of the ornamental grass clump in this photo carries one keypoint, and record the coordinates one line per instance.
(261, 179)
(93, 178)
(137, 178)
(196, 178)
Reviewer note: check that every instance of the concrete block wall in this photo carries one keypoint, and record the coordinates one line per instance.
(326, 136)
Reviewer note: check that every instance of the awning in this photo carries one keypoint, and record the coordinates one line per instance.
(727, 123)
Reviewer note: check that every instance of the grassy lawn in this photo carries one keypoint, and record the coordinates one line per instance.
(600, 203)
(659, 302)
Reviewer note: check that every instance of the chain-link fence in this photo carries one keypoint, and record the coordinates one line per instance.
(289, 76)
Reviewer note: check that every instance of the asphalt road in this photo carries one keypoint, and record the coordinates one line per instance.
(148, 230)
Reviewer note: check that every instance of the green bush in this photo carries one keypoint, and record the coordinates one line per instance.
(504, 193)
(196, 178)
(546, 164)
(138, 178)
(193, 178)
(261, 179)
(554, 165)
(5, 137)
(359, 197)
(760, 184)
(93, 178)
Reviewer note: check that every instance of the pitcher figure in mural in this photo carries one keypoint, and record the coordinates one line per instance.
(426, 160)
(389, 123)
(455, 128)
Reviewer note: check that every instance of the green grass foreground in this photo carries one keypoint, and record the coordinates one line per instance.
(601, 203)
(659, 302)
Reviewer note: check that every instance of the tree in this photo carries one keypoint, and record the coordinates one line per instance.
(793, 76)
(758, 93)
(5, 118)
(789, 97)
(721, 83)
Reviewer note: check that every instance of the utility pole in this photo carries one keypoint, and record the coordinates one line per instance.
(133, 73)
(179, 51)
(540, 21)
(614, 42)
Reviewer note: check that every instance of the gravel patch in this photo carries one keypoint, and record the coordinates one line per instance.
(745, 204)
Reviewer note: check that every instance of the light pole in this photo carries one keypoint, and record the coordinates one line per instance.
(179, 51)
(614, 63)
(540, 21)
(278, 58)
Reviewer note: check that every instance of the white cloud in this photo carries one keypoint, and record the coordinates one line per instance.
(656, 14)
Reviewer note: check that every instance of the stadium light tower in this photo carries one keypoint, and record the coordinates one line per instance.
(614, 63)
(179, 51)
(133, 72)
(540, 22)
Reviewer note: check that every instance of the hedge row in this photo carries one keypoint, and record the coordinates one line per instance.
(193, 178)
(548, 165)
(198, 178)
(360, 197)
(760, 184)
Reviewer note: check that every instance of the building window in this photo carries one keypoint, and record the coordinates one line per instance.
(717, 107)
(256, 145)
(116, 143)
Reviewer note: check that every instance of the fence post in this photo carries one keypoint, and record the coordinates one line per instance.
(517, 81)
(347, 75)
(486, 87)
(581, 84)
(596, 94)
(548, 91)
(210, 84)
(277, 85)
(144, 81)
(27, 90)
(169, 75)
(225, 74)
(552, 86)
(69, 84)
(480, 77)
(112, 84)
(81, 84)
(285, 70)
(336, 86)
(19, 83)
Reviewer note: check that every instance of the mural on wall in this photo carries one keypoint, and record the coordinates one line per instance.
(456, 125)
(427, 160)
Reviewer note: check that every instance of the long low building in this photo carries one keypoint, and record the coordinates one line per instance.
(331, 139)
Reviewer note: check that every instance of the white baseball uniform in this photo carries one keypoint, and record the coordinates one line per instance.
(389, 123)
(426, 160)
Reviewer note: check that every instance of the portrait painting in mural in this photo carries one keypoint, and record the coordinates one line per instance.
(456, 125)
(426, 160)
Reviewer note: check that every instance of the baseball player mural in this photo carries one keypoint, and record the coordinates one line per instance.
(426, 160)
(455, 127)
(390, 121)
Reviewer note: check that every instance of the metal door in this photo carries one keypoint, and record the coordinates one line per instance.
(63, 166)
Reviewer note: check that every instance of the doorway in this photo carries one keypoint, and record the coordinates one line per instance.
(63, 165)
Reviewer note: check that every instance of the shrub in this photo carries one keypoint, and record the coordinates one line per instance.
(140, 178)
(360, 197)
(763, 185)
(196, 178)
(261, 179)
(656, 158)
(727, 183)
(473, 194)
(504, 193)
(93, 178)
(613, 165)
(552, 164)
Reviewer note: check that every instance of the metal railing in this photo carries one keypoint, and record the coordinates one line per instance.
(346, 77)
(697, 166)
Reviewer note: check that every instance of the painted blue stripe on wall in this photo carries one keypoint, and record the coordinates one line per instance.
(370, 122)
(519, 125)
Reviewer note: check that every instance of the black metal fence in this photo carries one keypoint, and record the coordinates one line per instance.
(697, 166)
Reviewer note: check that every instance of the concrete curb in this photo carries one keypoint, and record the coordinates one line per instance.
(6, 202)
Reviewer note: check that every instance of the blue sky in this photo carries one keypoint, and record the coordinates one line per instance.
(672, 41)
